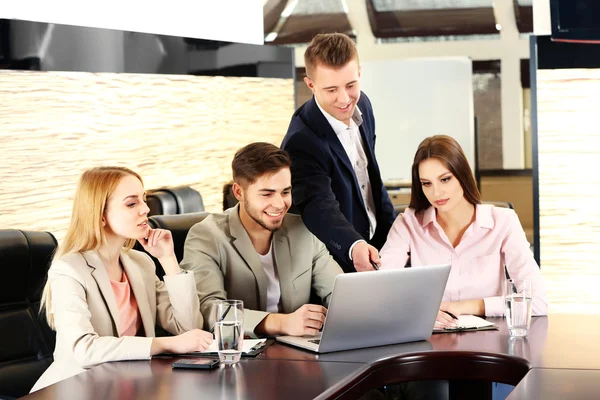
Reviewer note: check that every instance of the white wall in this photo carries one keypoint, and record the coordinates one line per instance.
(416, 98)
(231, 20)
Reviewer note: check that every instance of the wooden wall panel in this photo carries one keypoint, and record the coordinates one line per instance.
(569, 179)
(172, 129)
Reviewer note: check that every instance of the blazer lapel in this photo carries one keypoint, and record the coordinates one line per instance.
(319, 124)
(283, 263)
(242, 243)
(101, 277)
(138, 287)
(338, 150)
(368, 146)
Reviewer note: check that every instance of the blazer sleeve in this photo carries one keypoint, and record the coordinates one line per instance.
(177, 304)
(324, 271)
(72, 320)
(312, 194)
(202, 258)
(520, 265)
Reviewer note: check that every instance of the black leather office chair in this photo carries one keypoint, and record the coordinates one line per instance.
(179, 225)
(229, 199)
(175, 200)
(26, 341)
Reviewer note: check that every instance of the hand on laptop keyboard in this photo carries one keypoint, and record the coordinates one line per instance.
(305, 321)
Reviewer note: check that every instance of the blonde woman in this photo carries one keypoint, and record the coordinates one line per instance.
(104, 299)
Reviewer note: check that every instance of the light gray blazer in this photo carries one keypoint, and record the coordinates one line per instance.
(86, 315)
(226, 266)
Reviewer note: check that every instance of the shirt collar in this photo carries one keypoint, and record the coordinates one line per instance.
(428, 216)
(483, 216)
(337, 125)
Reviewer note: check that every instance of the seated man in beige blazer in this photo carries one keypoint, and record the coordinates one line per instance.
(256, 253)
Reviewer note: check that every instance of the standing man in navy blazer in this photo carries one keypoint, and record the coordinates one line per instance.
(336, 183)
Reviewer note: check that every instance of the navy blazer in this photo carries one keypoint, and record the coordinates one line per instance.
(324, 186)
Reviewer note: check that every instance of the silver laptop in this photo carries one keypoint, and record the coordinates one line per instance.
(377, 308)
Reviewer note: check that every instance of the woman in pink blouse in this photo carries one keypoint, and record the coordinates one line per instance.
(104, 299)
(447, 224)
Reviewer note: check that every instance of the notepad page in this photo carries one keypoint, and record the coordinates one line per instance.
(472, 321)
(248, 344)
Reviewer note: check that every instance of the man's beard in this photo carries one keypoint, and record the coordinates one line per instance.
(250, 212)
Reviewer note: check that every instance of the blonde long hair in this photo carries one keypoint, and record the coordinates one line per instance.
(85, 231)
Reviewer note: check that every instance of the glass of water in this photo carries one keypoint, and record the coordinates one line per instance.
(229, 330)
(517, 301)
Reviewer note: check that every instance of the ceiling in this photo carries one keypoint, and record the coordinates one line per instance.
(297, 21)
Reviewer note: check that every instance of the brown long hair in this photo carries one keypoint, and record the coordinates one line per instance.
(448, 151)
(85, 231)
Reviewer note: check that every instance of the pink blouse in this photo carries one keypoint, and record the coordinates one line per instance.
(494, 239)
(129, 315)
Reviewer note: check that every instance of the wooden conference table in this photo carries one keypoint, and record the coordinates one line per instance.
(560, 359)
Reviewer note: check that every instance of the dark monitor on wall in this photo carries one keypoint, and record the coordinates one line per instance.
(575, 20)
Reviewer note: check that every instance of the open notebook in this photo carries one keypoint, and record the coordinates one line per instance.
(468, 323)
(251, 348)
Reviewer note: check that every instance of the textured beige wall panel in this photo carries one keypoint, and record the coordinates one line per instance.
(172, 129)
(569, 178)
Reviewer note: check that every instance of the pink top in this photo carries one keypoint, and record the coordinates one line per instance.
(494, 239)
(129, 314)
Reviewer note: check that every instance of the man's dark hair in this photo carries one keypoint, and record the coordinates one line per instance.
(256, 159)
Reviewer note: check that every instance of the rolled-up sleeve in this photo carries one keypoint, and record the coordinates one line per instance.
(394, 253)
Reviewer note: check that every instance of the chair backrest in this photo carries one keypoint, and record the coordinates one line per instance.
(175, 200)
(26, 341)
(504, 204)
(400, 208)
(179, 225)
(229, 199)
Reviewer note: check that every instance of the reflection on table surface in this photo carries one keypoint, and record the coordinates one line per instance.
(558, 350)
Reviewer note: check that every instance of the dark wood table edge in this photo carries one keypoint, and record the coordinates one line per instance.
(430, 365)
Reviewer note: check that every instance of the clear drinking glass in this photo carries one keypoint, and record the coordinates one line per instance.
(519, 346)
(229, 330)
(517, 301)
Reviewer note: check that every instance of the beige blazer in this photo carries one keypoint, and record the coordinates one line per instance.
(86, 315)
(226, 266)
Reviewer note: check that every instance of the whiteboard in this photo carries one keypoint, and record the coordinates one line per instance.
(416, 98)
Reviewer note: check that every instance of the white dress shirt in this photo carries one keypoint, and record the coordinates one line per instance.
(349, 137)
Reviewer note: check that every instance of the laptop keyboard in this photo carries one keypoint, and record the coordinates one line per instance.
(315, 341)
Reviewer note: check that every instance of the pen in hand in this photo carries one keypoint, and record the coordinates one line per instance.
(374, 265)
(450, 314)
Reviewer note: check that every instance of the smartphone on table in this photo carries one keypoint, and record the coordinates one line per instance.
(196, 363)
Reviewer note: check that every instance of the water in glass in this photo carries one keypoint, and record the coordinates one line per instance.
(230, 338)
(518, 314)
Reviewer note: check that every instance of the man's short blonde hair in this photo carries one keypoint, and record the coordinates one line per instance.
(332, 50)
